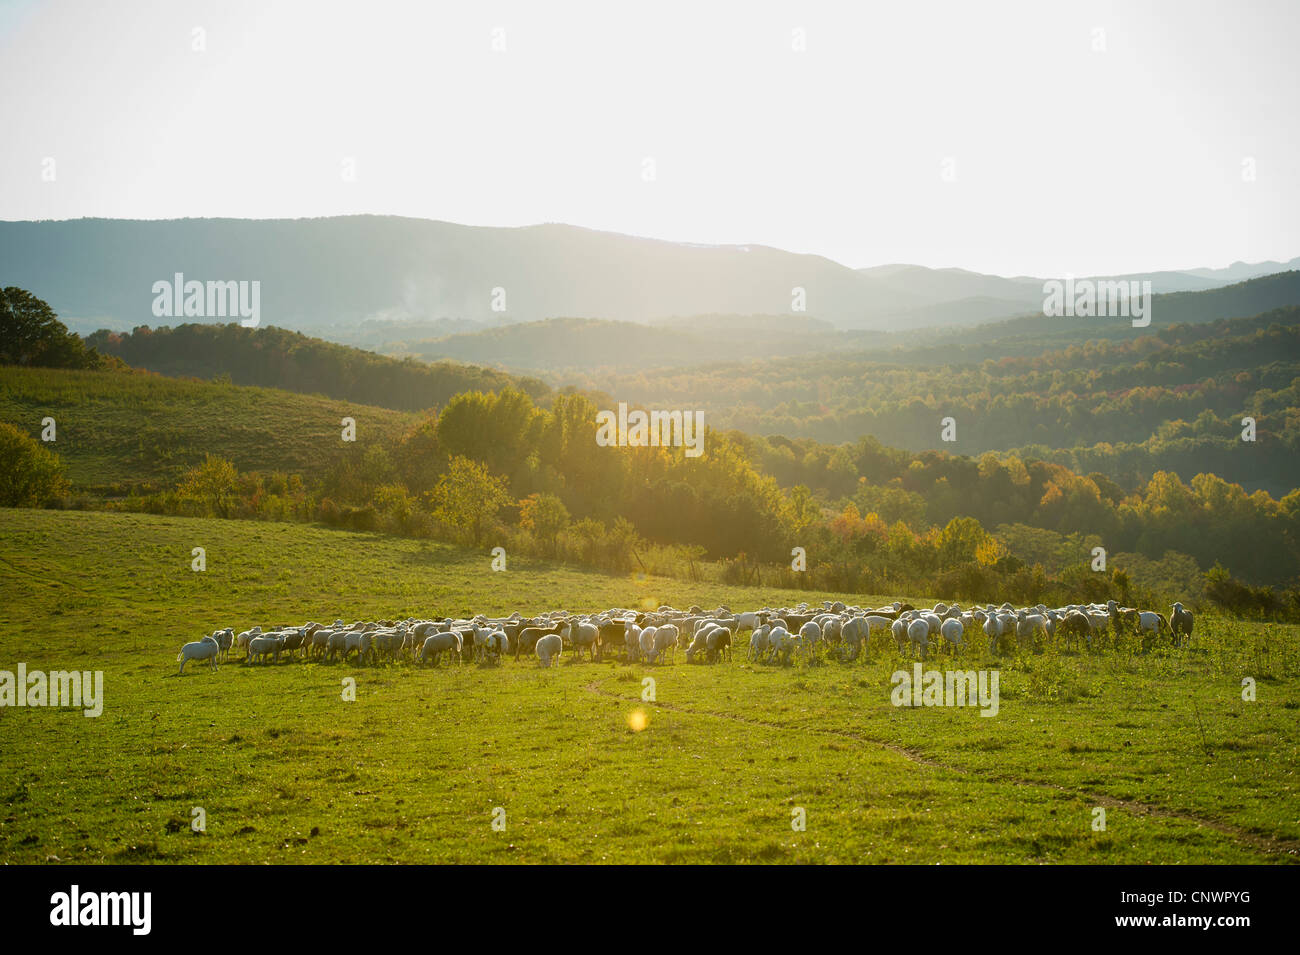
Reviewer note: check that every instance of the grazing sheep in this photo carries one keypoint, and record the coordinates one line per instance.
(993, 630)
(320, 641)
(719, 644)
(809, 635)
(205, 649)
(781, 644)
(899, 630)
(495, 646)
(366, 647)
(1075, 624)
(583, 636)
(549, 648)
(436, 644)
(632, 642)
(647, 640)
(293, 640)
(665, 641)
(918, 634)
(1030, 626)
(951, 630)
(390, 643)
(1180, 621)
(699, 645)
(529, 636)
(338, 643)
(1098, 621)
(852, 633)
(259, 647)
(241, 641)
(1151, 622)
(1123, 618)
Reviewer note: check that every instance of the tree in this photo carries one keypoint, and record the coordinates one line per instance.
(31, 334)
(467, 497)
(545, 516)
(30, 475)
(209, 488)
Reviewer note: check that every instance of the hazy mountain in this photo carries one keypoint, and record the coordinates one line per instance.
(360, 279)
(564, 348)
(1239, 271)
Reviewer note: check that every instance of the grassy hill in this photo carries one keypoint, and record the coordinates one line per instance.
(413, 769)
(277, 358)
(115, 428)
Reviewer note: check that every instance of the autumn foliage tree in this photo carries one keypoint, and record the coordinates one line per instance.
(468, 497)
(30, 475)
(545, 516)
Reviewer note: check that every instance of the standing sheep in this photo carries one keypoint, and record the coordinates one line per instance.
(1180, 620)
(205, 649)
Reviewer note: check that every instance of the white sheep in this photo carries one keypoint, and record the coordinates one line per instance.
(1180, 621)
(549, 648)
(205, 649)
(918, 633)
(436, 644)
(781, 643)
(259, 647)
(225, 639)
(951, 630)
(665, 641)
(699, 644)
(647, 640)
(809, 635)
(583, 636)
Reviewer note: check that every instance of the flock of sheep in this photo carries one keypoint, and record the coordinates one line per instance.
(775, 635)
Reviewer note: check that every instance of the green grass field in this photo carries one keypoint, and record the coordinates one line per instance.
(287, 771)
(114, 428)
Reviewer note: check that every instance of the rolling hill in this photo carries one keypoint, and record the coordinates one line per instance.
(337, 277)
(133, 430)
(276, 358)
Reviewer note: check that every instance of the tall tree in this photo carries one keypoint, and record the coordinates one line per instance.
(31, 334)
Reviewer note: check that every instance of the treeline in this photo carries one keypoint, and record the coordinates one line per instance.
(1208, 518)
(276, 358)
(1126, 410)
(1032, 335)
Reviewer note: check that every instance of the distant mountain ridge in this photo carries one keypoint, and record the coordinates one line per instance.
(353, 278)
(558, 347)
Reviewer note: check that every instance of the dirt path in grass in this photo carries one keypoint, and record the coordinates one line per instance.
(1287, 849)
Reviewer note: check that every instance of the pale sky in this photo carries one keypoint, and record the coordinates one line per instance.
(1062, 158)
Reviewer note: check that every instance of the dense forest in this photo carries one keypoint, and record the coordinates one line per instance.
(1173, 400)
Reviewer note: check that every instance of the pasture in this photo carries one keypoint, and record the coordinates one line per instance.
(131, 429)
(286, 770)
